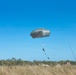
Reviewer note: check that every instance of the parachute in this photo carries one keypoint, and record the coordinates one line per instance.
(41, 32)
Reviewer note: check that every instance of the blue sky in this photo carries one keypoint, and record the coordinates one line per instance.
(19, 17)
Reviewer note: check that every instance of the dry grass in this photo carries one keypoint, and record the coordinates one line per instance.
(38, 70)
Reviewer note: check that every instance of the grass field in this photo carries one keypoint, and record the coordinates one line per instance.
(38, 70)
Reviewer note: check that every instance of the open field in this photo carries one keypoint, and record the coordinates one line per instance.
(38, 70)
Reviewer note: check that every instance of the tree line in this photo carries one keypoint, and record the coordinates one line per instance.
(13, 61)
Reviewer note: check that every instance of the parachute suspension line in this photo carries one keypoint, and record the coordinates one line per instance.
(45, 53)
(72, 52)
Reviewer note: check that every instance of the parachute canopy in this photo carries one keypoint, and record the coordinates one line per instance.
(41, 32)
